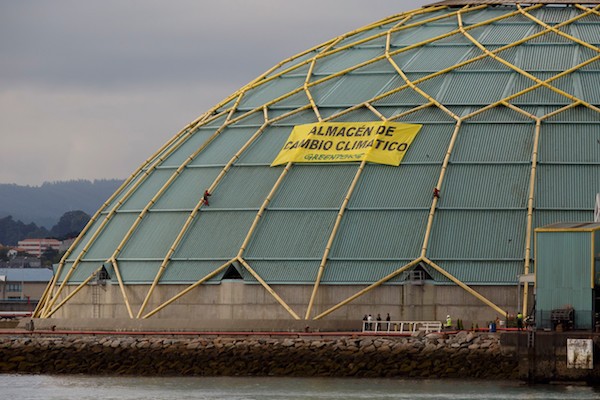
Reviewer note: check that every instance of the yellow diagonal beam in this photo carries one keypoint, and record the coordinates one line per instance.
(50, 312)
(369, 288)
(464, 286)
(332, 237)
(189, 288)
(268, 288)
(193, 214)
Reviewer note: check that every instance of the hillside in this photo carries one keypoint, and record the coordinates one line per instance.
(45, 204)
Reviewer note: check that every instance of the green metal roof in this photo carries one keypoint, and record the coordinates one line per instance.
(479, 225)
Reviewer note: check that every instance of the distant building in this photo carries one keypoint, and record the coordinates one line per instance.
(37, 247)
(22, 288)
(21, 262)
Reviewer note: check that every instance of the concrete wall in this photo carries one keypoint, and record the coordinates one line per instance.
(232, 300)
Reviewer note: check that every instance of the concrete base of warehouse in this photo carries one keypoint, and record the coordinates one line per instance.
(238, 306)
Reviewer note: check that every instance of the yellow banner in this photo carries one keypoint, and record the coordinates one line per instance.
(377, 142)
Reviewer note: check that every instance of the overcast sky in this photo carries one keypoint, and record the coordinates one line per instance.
(90, 89)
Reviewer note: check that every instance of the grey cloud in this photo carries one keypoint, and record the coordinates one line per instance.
(90, 89)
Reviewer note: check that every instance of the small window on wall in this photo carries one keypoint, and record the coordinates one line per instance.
(13, 287)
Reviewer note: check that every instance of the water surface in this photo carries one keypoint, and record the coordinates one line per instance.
(75, 387)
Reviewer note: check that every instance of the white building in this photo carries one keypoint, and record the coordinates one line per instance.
(37, 247)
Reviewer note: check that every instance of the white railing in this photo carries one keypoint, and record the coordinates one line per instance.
(402, 326)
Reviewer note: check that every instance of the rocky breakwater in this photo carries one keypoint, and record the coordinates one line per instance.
(462, 355)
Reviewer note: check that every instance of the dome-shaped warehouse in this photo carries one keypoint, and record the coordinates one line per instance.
(505, 101)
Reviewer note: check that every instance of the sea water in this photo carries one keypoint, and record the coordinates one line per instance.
(76, 387)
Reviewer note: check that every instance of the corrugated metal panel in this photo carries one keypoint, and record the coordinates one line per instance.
(554, 15)
(360, 115)
(596, 235)
(434, 87)
(502, 33)
(224, 146)
(315, 186)
(369, 33)
(121, 195)
(88, 235)
(489, 186)
(133, 272)
(563, 270)
(404, 58)
(292, 234)
(186, 191)
(379, 67)
(302, 117)
(382, 186)
(500, 114)
(552, 37)
(217, 121)
(104, 247)
(147, 190)
(571, 143)
(435, 58)
(360, 272)
(63, 272)
(255, 119)
(488, 63)
(430, 145)
(296, 100)
(584, 55)
(322, 90)
(216, 234)
(486, 14)
(245, 187)
(567, 186)
(283, 271)
(541, 95)
(423, 116)
(420, 34)
(575, 114)
(482, 272)
(494, 143)
(299, 70)
(345, 59)
(270, 90)
(547, 217)
(26, 274)
(188, 147)
(353, 89)
(465, 88)
(535, 58)
(590, 18)
(81, 273)
(458, 38)
(588, 33)
(478, 234)
(428, 15)
(590, 87)
(180, 271)
(477, 33)
(404, 97)
(380, 234)
(154, 235)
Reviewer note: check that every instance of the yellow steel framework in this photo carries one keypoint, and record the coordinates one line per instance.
(47, 306)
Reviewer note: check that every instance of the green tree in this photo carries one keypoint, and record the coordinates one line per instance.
(70, 224)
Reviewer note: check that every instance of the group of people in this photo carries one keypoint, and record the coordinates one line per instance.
(378, 325)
